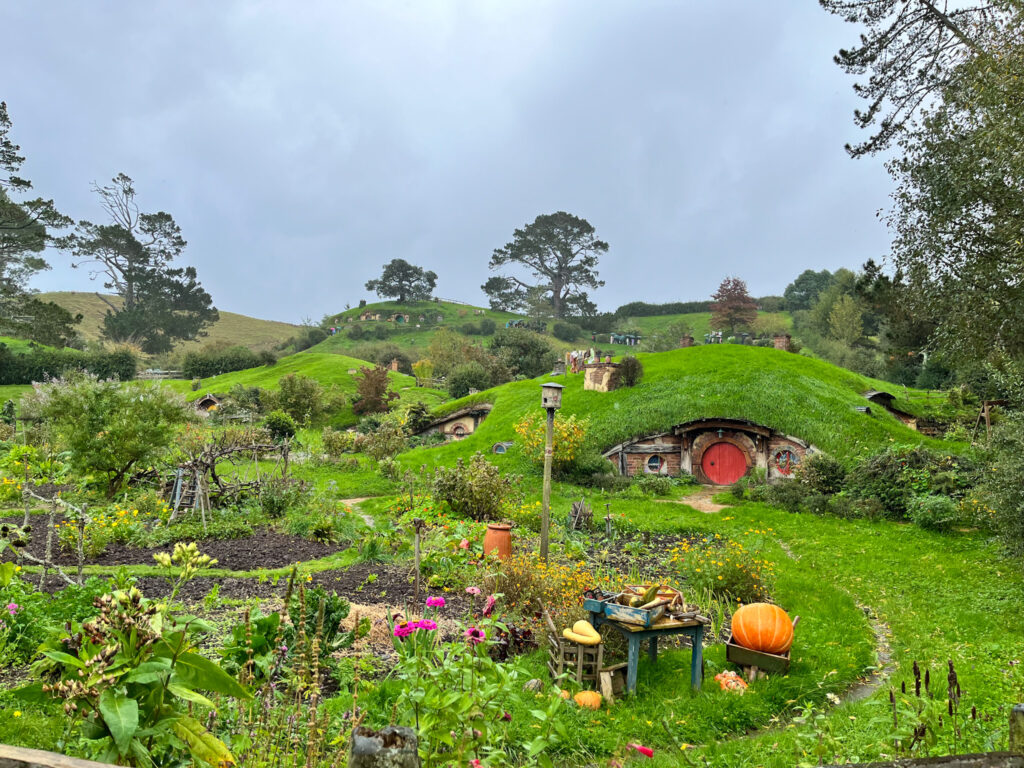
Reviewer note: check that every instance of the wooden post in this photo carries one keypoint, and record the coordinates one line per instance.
(81, 541)
(418, 524)
(608, 520)
(1017, 729)
(25, 496)
(392, 747)
(545, 514)
(49, 542)
(284, 454)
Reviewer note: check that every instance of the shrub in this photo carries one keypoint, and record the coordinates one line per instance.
(566, 331)
(478, 490)
(524, 353)
(569, 437)
(487, 326)
(893, 476)
(465, 377)
(738, 490)
(336, 442)
(1002, 488)
(212, 361)
(470, 329)
(109, 428)
(654, 485)
(631, 371)
(386, 441)
(786, 495)
(726, 569)
(43, 364)
(268, 358)
(302, 398)
(821, 473)
(373, 394)
(279, 496)
(850, 508)
(280, 425)
(933, 512)
(525, 579)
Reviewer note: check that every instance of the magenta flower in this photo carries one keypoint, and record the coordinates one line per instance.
(464, 544)
(404, 629)
(12, 608)
(475, 635)
(489, 605)
(435, 602)
(473, 590)
(427, 624)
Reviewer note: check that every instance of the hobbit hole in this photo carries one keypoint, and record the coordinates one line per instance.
(715, 451)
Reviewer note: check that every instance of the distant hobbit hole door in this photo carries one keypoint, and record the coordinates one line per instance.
(723, 463)
(459, 431)
(654, 464)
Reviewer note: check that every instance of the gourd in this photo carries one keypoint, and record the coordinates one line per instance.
(594, 639)
(585, 628)
(763, 627)
(650, 594)
(588, 699)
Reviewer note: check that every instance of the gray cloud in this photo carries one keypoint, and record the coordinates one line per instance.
(302, 145)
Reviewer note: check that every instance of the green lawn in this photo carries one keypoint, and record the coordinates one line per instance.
(699, 322)
(796, 395)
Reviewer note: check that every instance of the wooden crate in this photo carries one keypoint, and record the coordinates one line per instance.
(583, 663)
(745, 657)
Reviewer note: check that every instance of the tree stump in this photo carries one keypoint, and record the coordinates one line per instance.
(391, 747)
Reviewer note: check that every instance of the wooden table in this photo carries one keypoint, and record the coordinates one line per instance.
(635, 635)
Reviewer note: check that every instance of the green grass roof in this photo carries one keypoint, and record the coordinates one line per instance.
(796, 395)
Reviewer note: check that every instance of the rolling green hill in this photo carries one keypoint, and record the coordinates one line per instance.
(699, 322)
(793, 394)
(409, 338)
(328, 369)
(230, 329)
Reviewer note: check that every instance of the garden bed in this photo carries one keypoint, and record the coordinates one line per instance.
(264, 548)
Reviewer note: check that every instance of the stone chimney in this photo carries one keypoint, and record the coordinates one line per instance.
(394, 365)
(782, 341)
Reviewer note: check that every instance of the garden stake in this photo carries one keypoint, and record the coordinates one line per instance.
(608, 520)
(26, 495)
(49, 541)
(417, 526)
(81, 542)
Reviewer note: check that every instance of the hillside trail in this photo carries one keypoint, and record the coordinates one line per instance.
(701, 500)
(354, 503)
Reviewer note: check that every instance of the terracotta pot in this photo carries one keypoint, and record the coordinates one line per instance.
(498, 538)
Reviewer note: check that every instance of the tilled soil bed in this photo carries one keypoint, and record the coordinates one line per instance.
(265, 548)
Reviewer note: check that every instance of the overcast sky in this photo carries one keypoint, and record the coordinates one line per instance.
(301, 145)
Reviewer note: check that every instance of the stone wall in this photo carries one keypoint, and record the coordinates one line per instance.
(601, 377)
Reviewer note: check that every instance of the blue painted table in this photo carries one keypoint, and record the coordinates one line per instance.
(635, 636)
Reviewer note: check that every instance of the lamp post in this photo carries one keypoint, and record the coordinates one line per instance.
(551, 400)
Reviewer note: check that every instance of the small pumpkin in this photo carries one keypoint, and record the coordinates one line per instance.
(763, 627)
(588, 699)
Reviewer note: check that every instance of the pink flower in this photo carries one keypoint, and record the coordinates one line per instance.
(489, 605)
(475, 763)
(464, 544)
(427, 624)
(645, 751)
(435, 602)
(475, 635)
(12, 608)
(404, 629)
(472, 590)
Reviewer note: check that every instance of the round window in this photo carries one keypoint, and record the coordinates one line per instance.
(654, 464)
(786, 461)
(459, 431)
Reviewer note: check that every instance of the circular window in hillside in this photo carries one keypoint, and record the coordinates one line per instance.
(655, 463)
(459, 431)
(786, 461)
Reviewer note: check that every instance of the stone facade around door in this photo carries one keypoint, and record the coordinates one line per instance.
(681, 450)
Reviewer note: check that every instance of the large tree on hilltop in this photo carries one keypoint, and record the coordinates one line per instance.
(133, 253)
(913, 50)
(403, 281)
(805, 289)
(732, 308)
(560, 251)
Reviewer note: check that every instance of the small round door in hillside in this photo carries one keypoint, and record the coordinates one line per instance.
(723, 463)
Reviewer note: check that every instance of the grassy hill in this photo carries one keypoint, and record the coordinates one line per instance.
(796, 395)
(328, 369)
(17, 346)
(231, 328)
(699, 322)
(409, 338)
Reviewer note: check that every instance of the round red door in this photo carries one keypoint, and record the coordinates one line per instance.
(723, 463)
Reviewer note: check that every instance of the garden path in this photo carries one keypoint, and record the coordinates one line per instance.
(355, 503)
(701, 500)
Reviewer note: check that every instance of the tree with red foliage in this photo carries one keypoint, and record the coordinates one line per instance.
(732, 306)
(372, 393)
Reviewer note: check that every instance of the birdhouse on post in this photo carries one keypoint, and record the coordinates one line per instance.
(551, 395)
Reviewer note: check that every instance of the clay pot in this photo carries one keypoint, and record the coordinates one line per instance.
(498, 538)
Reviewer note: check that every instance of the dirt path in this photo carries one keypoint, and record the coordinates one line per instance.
(355, 503)
(701, 500)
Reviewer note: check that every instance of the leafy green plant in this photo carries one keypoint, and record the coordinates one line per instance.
(280, 425)
(478, 490)
(933, 512)
(132, 679)
(631, 371)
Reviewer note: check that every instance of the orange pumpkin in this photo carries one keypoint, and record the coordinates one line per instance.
(762, 627)
(588, 699)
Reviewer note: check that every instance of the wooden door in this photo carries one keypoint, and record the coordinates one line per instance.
(723, 463)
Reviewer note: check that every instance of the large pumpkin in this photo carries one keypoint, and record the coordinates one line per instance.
(762, 627)
(588, 699)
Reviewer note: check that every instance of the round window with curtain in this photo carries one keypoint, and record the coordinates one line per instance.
(654, 464)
